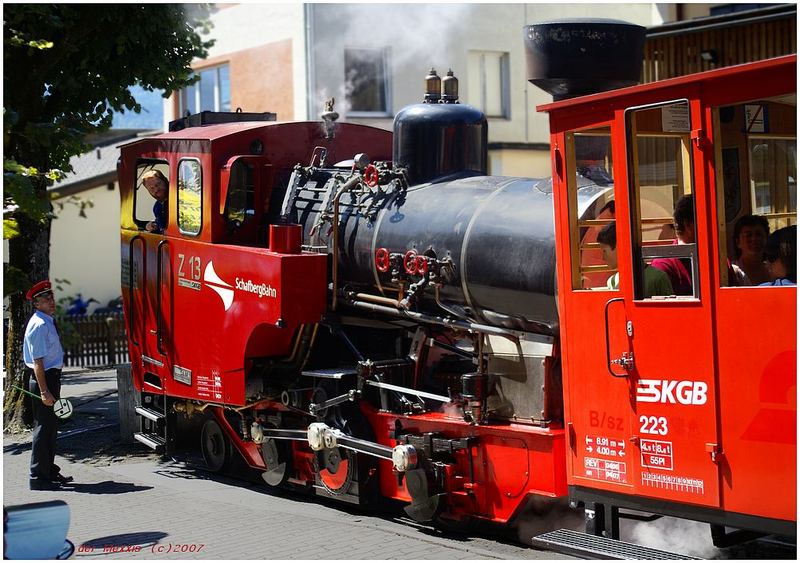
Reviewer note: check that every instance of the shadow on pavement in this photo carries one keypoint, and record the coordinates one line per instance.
(79, 378)
(105, 488)
(18, 448)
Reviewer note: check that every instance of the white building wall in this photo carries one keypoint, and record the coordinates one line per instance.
(86, 251)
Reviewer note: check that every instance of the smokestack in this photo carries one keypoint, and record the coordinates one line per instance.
(575, 57)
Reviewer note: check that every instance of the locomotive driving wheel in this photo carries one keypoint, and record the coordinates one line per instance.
(215, 446)
(336, 469)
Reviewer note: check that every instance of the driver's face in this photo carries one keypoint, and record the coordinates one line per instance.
(156, 188)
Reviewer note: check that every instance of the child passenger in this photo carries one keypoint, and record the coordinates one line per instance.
(780, 255)
(656, 282)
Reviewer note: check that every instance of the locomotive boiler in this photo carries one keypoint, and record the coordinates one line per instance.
(362, 314)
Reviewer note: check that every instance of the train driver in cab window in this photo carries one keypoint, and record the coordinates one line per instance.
(678, 268)
(750, 234)
(656, 282)
(157, 185)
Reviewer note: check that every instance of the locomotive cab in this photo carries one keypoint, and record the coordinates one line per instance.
(675, 400)
(213, 266)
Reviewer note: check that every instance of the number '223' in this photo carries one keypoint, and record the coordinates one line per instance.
(653, 425)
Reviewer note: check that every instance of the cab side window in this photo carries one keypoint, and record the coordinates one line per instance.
(240, 204)
(151, 195)
(190, 197)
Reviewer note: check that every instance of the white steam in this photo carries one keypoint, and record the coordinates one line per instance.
(671, 534)
(417, 36)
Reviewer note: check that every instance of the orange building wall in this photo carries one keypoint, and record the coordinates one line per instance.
(261, 78)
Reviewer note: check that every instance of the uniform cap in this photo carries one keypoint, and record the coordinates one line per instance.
(38, 289)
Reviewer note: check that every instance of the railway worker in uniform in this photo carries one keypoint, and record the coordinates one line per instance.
(656, 282)
(44, 356)
(158, 186)
(678, 268)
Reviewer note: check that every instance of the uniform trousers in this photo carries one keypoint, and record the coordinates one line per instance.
(45, 428)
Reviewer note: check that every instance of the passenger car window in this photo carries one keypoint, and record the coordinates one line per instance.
(756, 183)
(590, 189)
(662, 203)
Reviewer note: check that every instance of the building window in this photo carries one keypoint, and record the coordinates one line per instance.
(190, 197)
(488, 87)
(211, 93)
(366, 81)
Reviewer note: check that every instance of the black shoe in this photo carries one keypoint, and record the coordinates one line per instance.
(44, 485)
(62, 479)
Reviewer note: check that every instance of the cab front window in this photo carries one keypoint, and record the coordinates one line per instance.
(190, 197)
(151, 195)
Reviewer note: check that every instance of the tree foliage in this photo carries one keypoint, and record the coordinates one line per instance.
(67, 69)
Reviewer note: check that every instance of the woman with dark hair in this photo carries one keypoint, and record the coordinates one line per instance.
(749, 236)
(780, 254)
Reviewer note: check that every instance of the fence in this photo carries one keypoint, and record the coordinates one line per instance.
(95, 340)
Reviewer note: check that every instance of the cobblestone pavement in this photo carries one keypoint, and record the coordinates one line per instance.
(128, 504)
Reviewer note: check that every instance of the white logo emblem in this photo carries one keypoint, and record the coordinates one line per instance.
(670, 391)
(62, 408)
(224, 290)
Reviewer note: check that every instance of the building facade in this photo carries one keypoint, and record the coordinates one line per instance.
(372, 59)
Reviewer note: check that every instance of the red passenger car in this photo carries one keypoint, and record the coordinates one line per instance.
(681, 405)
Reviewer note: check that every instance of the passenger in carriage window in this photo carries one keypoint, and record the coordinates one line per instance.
(157, 185)
(656, 282)
(678, 268)
(749, 236)
(780, 254)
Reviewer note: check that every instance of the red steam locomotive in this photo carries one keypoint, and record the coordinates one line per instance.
(389, 326)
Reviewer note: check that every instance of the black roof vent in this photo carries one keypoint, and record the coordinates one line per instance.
(218, 117)
(574, 57)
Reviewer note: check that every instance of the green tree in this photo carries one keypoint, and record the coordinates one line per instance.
(67, 69)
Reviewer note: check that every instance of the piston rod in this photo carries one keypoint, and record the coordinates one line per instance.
(342, 440)
(407, 391)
